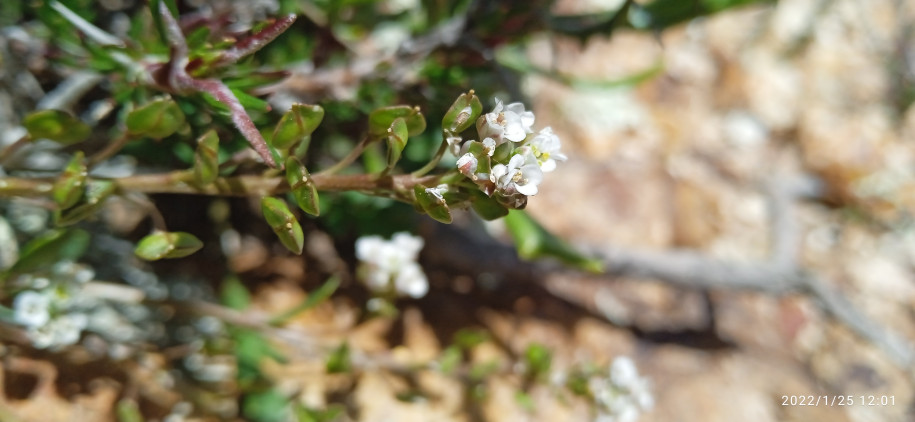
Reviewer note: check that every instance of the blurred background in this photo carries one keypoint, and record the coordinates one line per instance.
(745, 170)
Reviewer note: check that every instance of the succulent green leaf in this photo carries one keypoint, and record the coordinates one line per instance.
(486, 207)
(298, 123)
(68, 188)
(283, 223)
(533, 241)
(165, 245)
(156, 119)
(462, 113)
(206, 159)
(397, 140)
(432, 204)
(50, 247)
(381, 119)
(58, 126)
(303, 187)
(97, 191)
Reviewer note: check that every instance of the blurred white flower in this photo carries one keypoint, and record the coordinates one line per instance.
(545, 147)
(521, 175)
(392, 264)
(510, 122)
(31, 308)
(623, 395)
(61, 331)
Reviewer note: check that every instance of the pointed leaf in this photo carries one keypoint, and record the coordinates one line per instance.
(51, 247)
(380, 120)
(303, 187)
(533, 241)
(206, 159)
(156, 119)
(58, 126)
(433, 203)
(97, 191)
(68, 188)
(299, 122)
(165, 245)
(397, 140)
(283, 223)
(462, 113)
(339, 360)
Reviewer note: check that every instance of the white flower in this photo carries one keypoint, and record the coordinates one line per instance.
(467, 165)
(510, 122)
(623, 395)
(31, 308)
(521, 175)
(61, 331)
(392, 264)
(438, 193)
(545, 147)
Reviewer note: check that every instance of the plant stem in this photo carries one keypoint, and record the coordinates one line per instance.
(178, 182)
(433, 162)
(352, 156)
(12, 148)
(109, 150)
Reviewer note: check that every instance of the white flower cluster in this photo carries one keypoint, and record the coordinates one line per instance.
(622, 396)
(45, 311)
(390, 265)
(511, 158)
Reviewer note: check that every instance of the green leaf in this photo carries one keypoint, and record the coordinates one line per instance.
(432, 204)
(468, 337)
(488, 208)
(297, 124)
(234, 294)
(156, 119)
(266, 406)
(397, 140)
(129, 411)
(314, 298)
(68, 188)
(381, 119)
(533, 241)
(339, 360)
(450, 359)
(97, 191)
(538, 359)
(161, 244)
(283, 223)
(303, 187)
(56, 125)
(50, 247)
(462, 114)
(206, 159)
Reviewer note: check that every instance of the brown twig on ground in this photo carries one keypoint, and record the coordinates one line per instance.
(781, 274)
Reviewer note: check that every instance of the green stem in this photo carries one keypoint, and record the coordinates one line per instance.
(12, 148)
(346, 161)
(434, 161)
(109, 150)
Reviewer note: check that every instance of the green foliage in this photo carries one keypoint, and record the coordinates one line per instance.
(432, 204)
(381, 120)
(297, 124)
(164, 245)
(533, 241)
(50, 247)
(206, 159)
(339, 360)
(157, 119)
(97, 191)
(283, 223)
(397, 140)
(68, 189)
(303, 187)
(58, 126)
